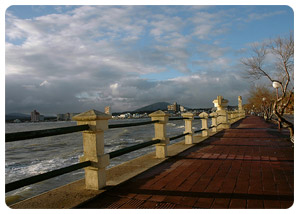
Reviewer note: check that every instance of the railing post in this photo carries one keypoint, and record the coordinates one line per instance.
(214, 123)
(230, 116)
(233, 117)
(188, 127)
(93, 147)
(160, 132)
(240, 108)
(221, 105)
(223, 120)
(204, 117)
(237, 116)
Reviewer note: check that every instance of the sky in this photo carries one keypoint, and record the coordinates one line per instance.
(61, 59)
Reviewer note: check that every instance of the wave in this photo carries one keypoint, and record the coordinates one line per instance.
(60, 151)
(15, 171)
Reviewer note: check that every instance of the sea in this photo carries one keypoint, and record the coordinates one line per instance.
(31, 157)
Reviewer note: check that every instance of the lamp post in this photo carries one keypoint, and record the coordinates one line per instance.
(264, 107)
(276, 84)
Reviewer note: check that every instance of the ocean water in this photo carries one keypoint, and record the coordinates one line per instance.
(31, 157)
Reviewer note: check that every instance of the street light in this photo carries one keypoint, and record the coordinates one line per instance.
(264, 106)
(276, 84)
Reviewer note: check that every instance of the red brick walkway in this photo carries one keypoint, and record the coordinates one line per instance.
(250, 165)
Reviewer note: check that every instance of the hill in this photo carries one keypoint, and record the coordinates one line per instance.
(13, 116)
(153, 107)
(24, 117)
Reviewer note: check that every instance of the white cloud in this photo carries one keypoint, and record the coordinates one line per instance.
(259, 16)
(186, 79)
(163, 24)
(45, 83)
(90, 57)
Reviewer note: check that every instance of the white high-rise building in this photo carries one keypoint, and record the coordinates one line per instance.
(107, 110)
(35, 116)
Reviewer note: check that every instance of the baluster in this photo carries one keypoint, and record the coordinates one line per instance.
(93, 147)
(160, 132)
(188, 127)
(204, 117)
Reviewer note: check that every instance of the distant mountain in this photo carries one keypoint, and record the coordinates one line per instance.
(154, 107)
(20, 116)
(13, 116)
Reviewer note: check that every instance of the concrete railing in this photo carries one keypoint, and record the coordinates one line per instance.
(94, 123)
(93, 140)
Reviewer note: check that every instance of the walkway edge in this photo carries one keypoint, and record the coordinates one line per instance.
(75, 194)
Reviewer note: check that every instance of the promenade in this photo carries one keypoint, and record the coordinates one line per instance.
(250, 165)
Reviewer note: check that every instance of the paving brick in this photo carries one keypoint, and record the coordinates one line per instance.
(173, 199)
(238, 203)
(228, 185)
(163, 205)
(194, 177)
(142, 197)
(157, 198)
(204, 203)
(221, 203)
(286, 204)
(181, 206)
(189, 201)
(118, 203)
(132, 204)
(184, 175)
(215, 184)
(247, 166)
(255, 204)
(148, 205)
(272, 204)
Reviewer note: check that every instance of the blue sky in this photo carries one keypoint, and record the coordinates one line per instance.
(74, 58)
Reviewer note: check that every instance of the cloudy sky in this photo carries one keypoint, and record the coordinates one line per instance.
(62, 59)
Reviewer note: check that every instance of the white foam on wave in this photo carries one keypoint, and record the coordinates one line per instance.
(19, 171)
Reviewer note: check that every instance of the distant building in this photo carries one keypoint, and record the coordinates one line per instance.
(17, 121)
(42, 118)
(60, 117)
(35, 116)
(107, 110)
(65, 117)
(182, 108)
(174, 107)
(123, 116)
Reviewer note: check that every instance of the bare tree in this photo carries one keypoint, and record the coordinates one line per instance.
(260, 100)
(274, 60)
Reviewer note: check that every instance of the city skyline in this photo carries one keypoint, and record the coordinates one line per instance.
(75, 58)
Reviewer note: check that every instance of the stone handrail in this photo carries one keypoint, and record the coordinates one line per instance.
(94, 123)
(93, 139)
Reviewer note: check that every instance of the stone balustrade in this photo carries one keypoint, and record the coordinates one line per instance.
(93, 139)
(204, 118)
(161, 132)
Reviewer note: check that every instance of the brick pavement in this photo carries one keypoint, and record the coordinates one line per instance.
(250, 165)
